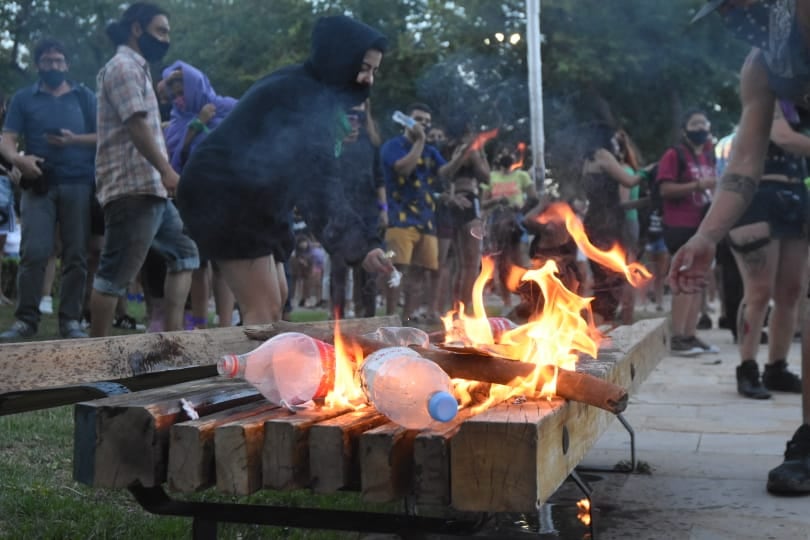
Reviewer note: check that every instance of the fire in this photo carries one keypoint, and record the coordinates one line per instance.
(521, 152)
(584, 511)
(347, 392)
(553, 337)
(614, 258)
(482, 139)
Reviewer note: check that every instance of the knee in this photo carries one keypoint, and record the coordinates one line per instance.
(758, 295)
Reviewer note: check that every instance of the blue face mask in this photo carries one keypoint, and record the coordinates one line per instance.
(52, 77)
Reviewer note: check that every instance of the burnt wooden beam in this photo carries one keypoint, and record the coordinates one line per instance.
(334, 453)
(386, 462)
(61, 363)
(124, 439)
(515, 455)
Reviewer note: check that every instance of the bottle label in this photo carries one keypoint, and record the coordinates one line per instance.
(326, 352)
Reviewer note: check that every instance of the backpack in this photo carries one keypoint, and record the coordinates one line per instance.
(651, 216)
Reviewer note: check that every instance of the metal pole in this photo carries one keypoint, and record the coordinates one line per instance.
(536, 92)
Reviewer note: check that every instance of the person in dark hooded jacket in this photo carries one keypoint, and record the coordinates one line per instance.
(277, 150)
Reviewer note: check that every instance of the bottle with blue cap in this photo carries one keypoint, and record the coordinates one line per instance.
(407, 388)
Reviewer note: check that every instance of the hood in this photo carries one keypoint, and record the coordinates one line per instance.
(338, 46)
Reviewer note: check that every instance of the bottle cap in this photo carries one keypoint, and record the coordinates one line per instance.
(228, 366)
(442, 406)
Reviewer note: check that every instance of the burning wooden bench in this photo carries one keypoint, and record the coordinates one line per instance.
(508, 458)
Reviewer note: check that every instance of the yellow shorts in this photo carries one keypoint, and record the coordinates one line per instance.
(413, 247)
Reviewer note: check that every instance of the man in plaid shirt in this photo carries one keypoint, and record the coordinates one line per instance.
(134, 178)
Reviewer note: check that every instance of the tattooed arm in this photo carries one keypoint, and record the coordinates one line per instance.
(692, 262)
(741, 177)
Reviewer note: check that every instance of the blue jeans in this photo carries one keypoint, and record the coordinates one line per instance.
(69, 206)
(131, 226)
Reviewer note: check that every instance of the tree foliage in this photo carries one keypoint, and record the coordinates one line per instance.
(633, 63)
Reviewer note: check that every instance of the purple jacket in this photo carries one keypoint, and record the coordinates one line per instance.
(198, 92)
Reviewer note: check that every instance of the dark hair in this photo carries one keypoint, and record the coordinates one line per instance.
(596, 136)
(139, 12)
(418, 107)
(690, 113)
(49, 44)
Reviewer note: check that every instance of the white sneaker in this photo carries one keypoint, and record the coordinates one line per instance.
(46, 305)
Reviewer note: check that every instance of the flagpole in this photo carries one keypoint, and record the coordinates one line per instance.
(536, 92)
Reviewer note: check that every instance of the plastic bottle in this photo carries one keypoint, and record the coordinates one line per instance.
(400, 336)
(288, 369)
(403, 119)
(407, 388)
(499, 326)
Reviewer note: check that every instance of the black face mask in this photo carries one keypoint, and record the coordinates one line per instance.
(152, 49)
(506, 161)
(697, 136)
(52, 78)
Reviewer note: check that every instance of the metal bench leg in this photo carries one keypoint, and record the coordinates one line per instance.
(587, 491)
(632, 467)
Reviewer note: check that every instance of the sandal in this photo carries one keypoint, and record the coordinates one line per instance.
(125, 322)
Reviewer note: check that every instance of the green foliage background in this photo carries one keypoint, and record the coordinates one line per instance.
(634, 63)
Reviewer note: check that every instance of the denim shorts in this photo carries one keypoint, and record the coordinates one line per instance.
(131, 226)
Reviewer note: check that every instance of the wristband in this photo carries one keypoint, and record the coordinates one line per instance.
(197, 125)
(382, 206)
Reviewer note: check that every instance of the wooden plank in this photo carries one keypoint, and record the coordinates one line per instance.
(514, 456)
(285, 458)
(52, 364)
(238, 453)
(334, 457)
(124, 439)
(431, 458)
(191, 447)
(386, 462)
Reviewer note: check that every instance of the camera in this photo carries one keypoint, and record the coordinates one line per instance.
(39, 185)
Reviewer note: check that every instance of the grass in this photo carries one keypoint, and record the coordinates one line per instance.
(39, 499)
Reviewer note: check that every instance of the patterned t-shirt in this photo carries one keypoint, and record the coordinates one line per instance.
(412, 198)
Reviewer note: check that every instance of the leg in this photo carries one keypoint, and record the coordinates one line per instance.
(176, 289)
(223, 297)
(74, 226)
(791, 275)
(253, 286)
(438, 304)
(200, 293)
(401, 242)
(337, 287)
(469, 251)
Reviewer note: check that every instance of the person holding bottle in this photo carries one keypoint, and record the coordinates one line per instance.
(239, 188)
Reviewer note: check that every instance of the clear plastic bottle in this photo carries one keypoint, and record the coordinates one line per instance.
(400, 336)
(499, 326)
(403, 119)
(407, 388)
(288, 369)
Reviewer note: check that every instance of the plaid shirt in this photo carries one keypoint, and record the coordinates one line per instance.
(125, 89)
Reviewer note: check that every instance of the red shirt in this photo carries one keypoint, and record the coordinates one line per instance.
(686, 211)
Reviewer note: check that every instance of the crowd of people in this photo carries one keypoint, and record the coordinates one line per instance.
(196, 195)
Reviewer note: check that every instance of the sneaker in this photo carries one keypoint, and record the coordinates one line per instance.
(72, 330)
(748, 381)
(712, 349)
(777, 377)
(46, 305)
(18, 330)
(683, 346)
(793, 476)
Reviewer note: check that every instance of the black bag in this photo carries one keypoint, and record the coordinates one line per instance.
(651, 217)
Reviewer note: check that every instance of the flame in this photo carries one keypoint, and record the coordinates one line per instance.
(482, 139)
(614, 259)
(521, 152)
(552, 337)
(584, 511)
(347, 392)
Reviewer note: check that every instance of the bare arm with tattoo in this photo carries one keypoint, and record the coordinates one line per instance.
(692, 262)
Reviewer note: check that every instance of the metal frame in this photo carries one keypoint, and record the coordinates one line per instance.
(632, 434)
(587, 490)
(206, 516)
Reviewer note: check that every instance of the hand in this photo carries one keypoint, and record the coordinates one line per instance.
(207, 113)
(67, 138)
(170, 178)
(417, 132)
(459, 152)
(462, 201)
(691, 265)
(708, 183)
(15, 176)
(376, 261)
(28, 165)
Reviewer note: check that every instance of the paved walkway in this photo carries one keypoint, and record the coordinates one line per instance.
(709, 451)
